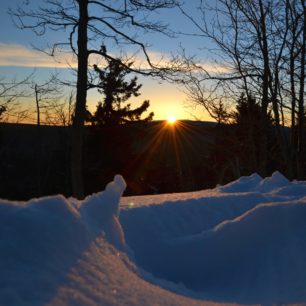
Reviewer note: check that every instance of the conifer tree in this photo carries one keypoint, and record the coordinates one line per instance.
(116, 91)
(255, 136)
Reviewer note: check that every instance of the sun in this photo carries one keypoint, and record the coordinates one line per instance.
(171, 119)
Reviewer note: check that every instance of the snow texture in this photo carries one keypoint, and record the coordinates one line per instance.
(242, 243)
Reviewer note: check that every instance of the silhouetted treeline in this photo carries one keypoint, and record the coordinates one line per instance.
(153, 157)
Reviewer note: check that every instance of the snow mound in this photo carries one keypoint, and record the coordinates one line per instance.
(277, 180)
(243, 184)
(228, 244)
(247, 260)
(255, 182)
(42, 239)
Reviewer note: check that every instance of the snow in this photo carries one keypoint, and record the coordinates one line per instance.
(242, 243)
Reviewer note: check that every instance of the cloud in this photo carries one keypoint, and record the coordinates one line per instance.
(20, 56)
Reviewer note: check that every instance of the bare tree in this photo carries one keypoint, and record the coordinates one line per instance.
(241, 31)
(301, 112)
(11, 94)
(260, 46)
(46, 96)
(61, 112)
(91, 26)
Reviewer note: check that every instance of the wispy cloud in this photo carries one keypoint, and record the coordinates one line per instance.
(21, 56)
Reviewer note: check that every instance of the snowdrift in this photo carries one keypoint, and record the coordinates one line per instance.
(239, 243)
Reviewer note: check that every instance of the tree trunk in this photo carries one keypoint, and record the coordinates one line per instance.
(293, 139)
(80, 106)
(263, 43)
(37, 104)
(301, 114)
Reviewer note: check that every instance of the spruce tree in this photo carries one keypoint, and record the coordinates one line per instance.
(255, 136)
(116, 91)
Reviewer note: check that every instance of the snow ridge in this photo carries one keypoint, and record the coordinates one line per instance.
(243, 242)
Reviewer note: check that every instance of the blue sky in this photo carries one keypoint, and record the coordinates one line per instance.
(18, 58)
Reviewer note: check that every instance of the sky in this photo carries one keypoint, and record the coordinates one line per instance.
(18, 58)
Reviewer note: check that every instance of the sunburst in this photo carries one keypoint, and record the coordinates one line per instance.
(171, 119)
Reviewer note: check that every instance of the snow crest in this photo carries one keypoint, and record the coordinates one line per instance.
(100, 212)
(41, 240)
